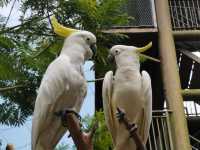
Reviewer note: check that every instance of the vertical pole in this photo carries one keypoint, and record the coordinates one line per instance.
(171, 78)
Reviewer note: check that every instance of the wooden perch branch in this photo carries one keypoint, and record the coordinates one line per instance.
(191, 93)
(82, 140)
(9, 147)
(132, 128)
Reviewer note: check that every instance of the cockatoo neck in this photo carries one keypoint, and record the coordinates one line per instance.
(75, 53)
(128, 59)
(76, 58)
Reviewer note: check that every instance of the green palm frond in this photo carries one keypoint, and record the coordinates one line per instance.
(6, 43)
(12, 115)
(8, 67)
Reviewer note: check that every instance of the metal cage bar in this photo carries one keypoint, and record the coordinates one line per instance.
(160, 137)
(143, 12)
(160, 132)
(185, 14)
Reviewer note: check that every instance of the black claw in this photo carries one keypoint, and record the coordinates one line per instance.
(69, 135)
(133, 125)
(63, 114)
(58, 114)
(120, 114)
(133, 129)
(73, 112)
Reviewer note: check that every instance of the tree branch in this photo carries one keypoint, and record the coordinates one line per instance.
(82, 140)
(132, 128)
(3, 89)
(11, 88)
(20, 25)
(10, 13)
(98, 79)
(38, 34)
(9, 147)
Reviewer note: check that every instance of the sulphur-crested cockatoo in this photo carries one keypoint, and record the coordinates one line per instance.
(130, 90)
(63, 86)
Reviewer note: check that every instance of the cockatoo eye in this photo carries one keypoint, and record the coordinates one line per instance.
(88, 39)
(117, 52)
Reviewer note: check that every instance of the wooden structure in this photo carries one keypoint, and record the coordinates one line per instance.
(174, 28)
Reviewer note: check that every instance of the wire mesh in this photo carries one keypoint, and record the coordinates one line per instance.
(185, 14)
(142, 12)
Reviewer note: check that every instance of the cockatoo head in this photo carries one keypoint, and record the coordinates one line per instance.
(84, 39)
(87, 40)
(124, 51)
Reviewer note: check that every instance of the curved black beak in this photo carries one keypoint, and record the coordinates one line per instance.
(110, 58)
(93, 47)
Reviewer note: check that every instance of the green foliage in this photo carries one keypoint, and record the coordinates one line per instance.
(62, 147)
(102, 138)
(27, 49)
(4, 2)
(6, 42)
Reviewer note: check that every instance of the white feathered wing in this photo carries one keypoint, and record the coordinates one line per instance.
(109, 113)
(57, 92)
(146, 86)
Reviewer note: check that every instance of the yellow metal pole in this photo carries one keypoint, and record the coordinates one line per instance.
(191, 93)
(171, 78)
(186, 35)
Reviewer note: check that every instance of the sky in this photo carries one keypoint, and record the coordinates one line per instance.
(21, 136)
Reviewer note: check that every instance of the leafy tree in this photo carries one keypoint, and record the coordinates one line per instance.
(4, 2)
(27, 49)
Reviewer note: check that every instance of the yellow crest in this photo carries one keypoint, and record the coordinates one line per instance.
(143, 56)
(143, 49)
(60, 29)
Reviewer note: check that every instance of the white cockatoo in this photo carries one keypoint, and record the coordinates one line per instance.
(63, 86)
(129, 90)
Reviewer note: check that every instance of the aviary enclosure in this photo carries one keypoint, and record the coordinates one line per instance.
(174, 28)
